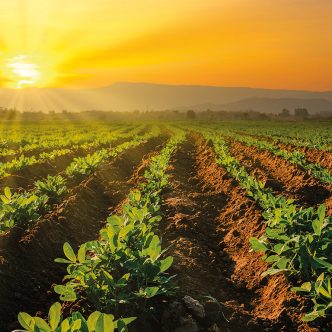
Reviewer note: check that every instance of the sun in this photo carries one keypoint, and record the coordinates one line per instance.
(22, 72)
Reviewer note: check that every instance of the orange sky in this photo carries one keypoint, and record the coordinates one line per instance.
(257, 43)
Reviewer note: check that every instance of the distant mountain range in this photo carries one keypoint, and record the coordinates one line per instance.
(146, 96)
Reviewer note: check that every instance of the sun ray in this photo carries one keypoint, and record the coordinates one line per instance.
(23, 72)
(226, 42)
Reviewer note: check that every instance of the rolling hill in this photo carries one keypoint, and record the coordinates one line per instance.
(146, 96)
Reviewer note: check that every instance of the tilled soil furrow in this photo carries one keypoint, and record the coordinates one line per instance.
(257, 169)
(28, 269)
(239, 220)
(208, 223)
(315, 156)
(293, 182)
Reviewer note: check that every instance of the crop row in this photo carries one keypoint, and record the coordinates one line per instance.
(22, 161)
(23, 209)
(312, 135)
(124, 269)
(73, 140)
(297, 241)
(27, 142)
(311, 138)
(294, 157)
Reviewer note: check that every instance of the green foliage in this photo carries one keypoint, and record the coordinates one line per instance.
(96, 322)
(53, 186)
(24, 208)
(45, 156)
(19, 209)
(319, 291)
(296, 241)
(294, 157)
(16, 164)
(86, 165)
(126, 266)
(57, 143)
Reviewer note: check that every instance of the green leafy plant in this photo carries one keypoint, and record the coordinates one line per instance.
(96, 322)
(296, 241)
(19, 208)
(320, 293)
(126, 266)
(53, 186)
(86, 165)
(294, 157)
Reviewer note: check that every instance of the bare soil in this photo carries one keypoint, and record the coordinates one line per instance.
(27, 267)
(282, 176)
(208, 222)
(315, 156)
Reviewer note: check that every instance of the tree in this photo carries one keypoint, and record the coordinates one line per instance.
(191, 115)
(285, 112)
(301, 112)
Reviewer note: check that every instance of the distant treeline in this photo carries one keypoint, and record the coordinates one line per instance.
(299, 114)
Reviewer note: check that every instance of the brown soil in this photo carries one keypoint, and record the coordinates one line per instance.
(208, 222)
(283, 177)
(27, 263)
(315, 156)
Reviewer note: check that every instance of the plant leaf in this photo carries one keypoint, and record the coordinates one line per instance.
(26, 321)
(166, 263)
(105, 323)
(257, 245)
(69, 252)
(54, 315)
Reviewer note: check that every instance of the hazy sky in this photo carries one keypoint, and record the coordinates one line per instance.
(257, 43)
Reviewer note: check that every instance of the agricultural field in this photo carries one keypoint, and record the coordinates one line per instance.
(170, 226)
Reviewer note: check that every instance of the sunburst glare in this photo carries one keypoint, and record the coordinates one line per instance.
(23, 73)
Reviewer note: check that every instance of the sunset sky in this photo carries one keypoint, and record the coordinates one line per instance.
(92, 43)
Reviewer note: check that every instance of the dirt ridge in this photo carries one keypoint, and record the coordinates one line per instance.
(292, 181)
(208, 222)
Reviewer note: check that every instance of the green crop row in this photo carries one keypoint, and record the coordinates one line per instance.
(87, 164)
(316, 135)
(23, 209)
(297, 241)
(23, 161)
(294, 157)
(310, 138)
(122, 270)
(17, 140)
(315, 141)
